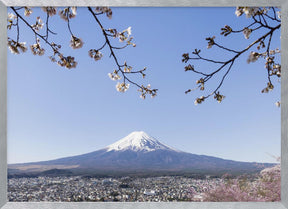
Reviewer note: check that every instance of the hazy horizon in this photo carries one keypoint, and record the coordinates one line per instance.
(126, 136)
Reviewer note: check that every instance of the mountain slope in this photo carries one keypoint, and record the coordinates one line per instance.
(139, 153)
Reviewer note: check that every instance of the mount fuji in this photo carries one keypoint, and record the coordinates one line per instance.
(136, 154)
(138, 141)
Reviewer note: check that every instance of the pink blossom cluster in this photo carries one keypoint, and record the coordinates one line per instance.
(265, 187)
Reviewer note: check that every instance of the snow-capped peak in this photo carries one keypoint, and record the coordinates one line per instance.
(138, 141)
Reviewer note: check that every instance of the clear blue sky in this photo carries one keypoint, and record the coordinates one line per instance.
(54, 112)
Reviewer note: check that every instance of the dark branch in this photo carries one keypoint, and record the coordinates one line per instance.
(262, 24)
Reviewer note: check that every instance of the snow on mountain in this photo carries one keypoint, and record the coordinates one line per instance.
(136, 154)
(138, 141)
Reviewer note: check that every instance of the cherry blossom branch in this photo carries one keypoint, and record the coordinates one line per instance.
(33, 30)
(272, 67)
(123, 69)
(66, 14)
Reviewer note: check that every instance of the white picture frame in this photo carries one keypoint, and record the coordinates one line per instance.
(145, 205)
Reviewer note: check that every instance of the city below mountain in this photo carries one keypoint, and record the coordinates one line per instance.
(137, 154)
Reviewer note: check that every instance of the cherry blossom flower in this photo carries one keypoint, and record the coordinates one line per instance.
(76, 43)
(247, 32)
(27, 11)
(11, 16)
(68, 13)
(36, 48)
(16, 47)
(68, 62)
(199, 100)
(50, 10)
(114, 76)
(122, 87)
(210, 42)
(38, 25)
(249, 11)
(127, 69)
(105, 10)
(96, 54)
(253, 57)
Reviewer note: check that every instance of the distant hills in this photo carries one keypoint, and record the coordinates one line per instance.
(136, 154)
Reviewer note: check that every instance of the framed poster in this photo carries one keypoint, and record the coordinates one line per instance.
(78, 135)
